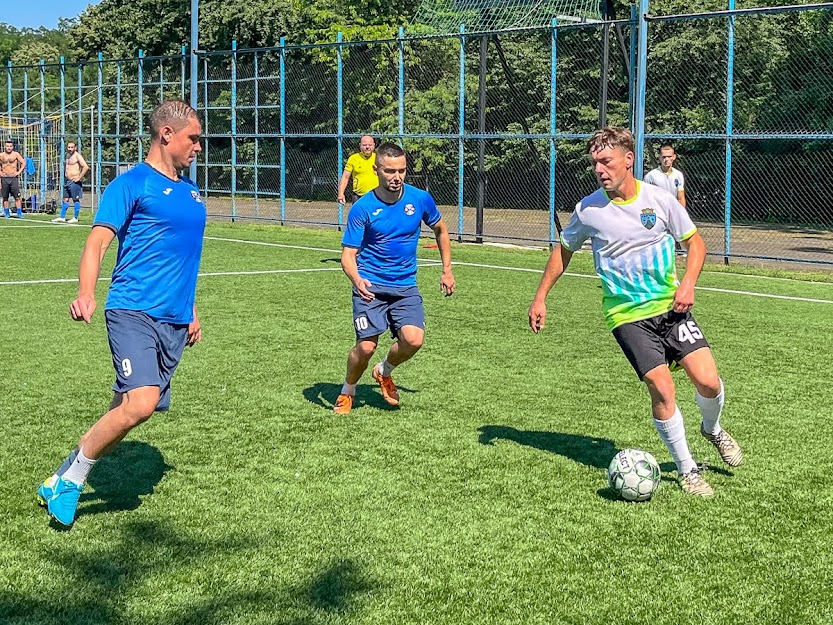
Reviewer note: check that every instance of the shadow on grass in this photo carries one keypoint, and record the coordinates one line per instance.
(120, 479)
(324, 394)
(587, 450)
(97, 583)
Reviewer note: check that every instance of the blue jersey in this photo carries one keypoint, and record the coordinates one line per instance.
(160, 224)
(387, 235)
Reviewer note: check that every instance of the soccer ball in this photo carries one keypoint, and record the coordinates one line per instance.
(633, 474)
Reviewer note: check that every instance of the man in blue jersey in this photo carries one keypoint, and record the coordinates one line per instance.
(159, 219)
(379, 256)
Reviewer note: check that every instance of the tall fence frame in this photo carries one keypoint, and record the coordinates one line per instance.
(264, 161)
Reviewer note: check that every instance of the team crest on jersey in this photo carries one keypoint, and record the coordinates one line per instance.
(196, 196)
(409, 209)
(649, 218)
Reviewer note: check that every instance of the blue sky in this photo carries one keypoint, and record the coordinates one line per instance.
(28, 14)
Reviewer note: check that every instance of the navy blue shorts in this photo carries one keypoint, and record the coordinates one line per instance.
(392, 309)
(73, 190)
(145, 352)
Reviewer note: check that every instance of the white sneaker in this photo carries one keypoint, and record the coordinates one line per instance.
(59, 220)
(72, 220)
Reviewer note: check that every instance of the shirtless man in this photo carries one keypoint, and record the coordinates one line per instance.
(11, 166)
(75, 167)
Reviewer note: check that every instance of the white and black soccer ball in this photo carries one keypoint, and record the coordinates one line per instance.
(633, 474)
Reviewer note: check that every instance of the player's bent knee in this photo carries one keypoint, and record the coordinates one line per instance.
(139, 404)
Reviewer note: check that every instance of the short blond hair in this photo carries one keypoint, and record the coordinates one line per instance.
(611, 137)
(173, 113)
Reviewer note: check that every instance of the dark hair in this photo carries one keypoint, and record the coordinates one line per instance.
(667, 144)
(10, 141)
(389, 150)
(611, 137)
(173, 113)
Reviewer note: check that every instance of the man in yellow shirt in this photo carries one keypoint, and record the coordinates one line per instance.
(361, 167)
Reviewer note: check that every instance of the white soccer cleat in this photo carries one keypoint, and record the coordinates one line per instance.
(59, 220)
(726, 446)
(694, 484)
(72, 220)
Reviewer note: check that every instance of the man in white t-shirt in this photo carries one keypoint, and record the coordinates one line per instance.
(667, 177)
(632, 227)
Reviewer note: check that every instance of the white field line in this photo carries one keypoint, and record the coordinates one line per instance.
(423, 263)
(202, 275)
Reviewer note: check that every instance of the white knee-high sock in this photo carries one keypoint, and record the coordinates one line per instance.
(672, 433)
(710, 409)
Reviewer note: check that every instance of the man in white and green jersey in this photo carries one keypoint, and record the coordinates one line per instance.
(633, 227)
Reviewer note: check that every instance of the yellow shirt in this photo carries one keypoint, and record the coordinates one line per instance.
(361, 168)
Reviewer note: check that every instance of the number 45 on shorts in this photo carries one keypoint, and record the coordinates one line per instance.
(689, 332)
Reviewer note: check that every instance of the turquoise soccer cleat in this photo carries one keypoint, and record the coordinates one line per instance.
(64, 501)
(45, 491)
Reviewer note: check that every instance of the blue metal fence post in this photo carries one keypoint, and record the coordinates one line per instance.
(118, 116)
(401, 42)
(730, 88)
(340, 98)
(641, 87)
(182, 83)
(80, 113)
(461, 128)
(140, 109)
(194, 41)
(234, 130)
(282, 58)
(553, 128)
(255, 73)
(634, 25)
(62, 142)
(9, 91)
(98, 134)
(42, 140)
(206, 117)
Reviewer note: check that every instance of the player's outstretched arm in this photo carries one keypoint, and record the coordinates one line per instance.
(556, 266)
(696, 249)
(447, 282)
(83, 306)
(342, 186)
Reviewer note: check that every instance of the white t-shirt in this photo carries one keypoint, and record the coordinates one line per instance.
(633, 249)
(673, 181)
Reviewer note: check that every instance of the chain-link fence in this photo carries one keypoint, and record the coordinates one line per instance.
(494, 123)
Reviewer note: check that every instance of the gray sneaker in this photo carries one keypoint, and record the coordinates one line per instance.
(726, 446)
(694, 484)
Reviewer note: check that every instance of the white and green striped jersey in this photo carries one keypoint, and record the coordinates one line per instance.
(633, 249)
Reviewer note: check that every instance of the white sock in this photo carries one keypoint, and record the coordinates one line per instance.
(348, 389)
(385, 368)
(710, 409)
(672, 433)
(79, 469)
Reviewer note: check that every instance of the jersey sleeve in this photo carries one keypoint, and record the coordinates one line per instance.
(117, 203)
(431, 214)
(354, 232)
(350, 165)
(575, 234)
(679, 223)
(682, 181)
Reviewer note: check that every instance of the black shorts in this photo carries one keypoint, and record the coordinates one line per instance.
(9, 186)
(662, 340)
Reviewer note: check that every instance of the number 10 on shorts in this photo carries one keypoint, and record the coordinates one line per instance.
(361, 323)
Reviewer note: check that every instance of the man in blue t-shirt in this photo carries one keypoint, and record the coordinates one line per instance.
(379, 256)
(159, 219)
